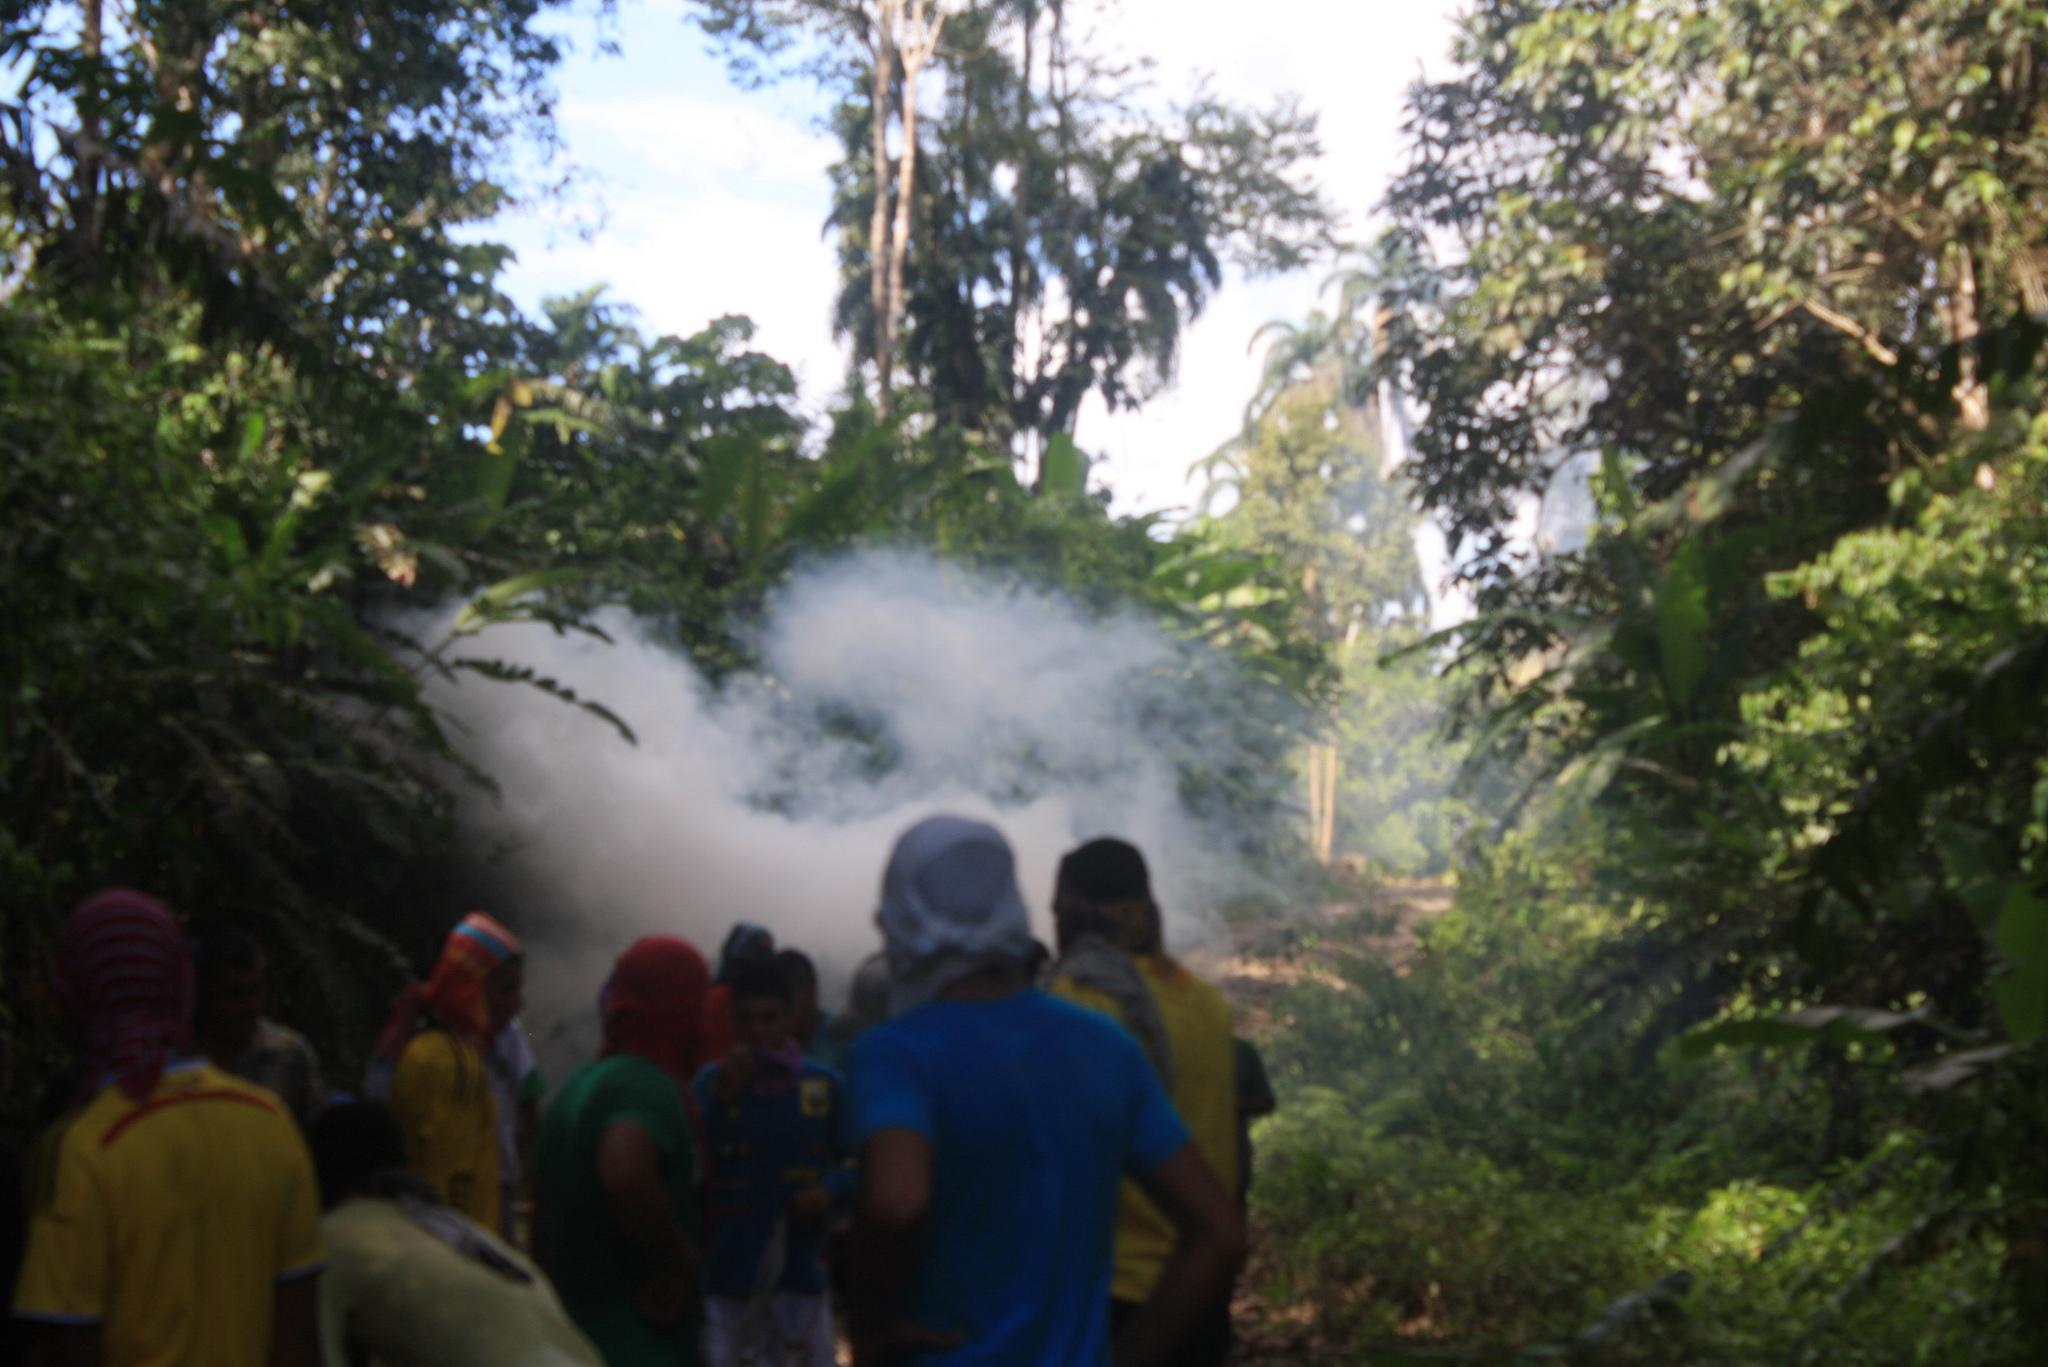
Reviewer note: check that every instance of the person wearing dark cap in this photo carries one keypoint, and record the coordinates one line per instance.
(744, 943)
(775, 1128)
(994, 1123)
(1113, 958)
(413, 1283)
(813, 1023)
(173, 1216)
(237, 1035)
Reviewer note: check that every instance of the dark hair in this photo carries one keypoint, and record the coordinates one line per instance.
(760, 978)
(1105, 870)
(352, 1143)
(797, 968)
(743, 942)
(216, 950)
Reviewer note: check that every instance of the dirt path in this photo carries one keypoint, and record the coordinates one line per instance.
(1269, 957)
(1267, 960)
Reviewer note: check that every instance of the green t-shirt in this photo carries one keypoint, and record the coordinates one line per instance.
(596, 1270)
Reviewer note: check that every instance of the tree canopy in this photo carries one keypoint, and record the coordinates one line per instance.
(1772, 274)
(1068, 220)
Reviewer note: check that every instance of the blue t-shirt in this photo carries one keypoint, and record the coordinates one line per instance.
(764, 1150)
(1035, 1109)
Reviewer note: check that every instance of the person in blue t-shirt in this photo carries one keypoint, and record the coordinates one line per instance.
(995, 1123)
(776, 1126)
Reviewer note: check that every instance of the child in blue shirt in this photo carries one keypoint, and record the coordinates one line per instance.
(777, 1130)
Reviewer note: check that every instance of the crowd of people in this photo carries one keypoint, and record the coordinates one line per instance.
(996, 1153)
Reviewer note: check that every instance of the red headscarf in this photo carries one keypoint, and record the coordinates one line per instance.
(453, 998)
(123, 979)
(653, 1005)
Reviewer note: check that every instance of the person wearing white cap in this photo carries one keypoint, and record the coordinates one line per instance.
(994, 1124)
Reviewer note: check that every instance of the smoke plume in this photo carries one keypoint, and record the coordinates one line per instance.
(891, 687)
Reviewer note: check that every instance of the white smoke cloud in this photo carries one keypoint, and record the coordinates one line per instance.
(892, 688)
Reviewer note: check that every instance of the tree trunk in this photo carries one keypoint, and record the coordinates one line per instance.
(883, 47)
(1972, 395)
(1020, 223)
(92, 42)
(919, 42)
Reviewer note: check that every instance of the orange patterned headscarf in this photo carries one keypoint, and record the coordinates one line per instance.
(453, 997)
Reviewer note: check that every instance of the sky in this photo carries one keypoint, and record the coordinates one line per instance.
(693, 198)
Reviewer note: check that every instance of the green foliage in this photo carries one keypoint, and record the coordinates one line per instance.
(267, 420)
(1778, 266)
(1477, 1156)
(1309, 490)
(193, 705)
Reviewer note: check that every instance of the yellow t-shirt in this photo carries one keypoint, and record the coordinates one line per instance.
(442, 1099)
(170, 1221)
(1198, 1030)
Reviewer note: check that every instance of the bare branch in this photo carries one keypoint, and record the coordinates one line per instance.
(1884, 354)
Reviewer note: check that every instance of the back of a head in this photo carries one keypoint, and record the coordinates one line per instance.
(754, 978)
(123, 979)
(220, 949)
(1105, 870)
(653, 1003)
(477, 946)
(224, 949)
(949, 896)
(796, 967)
(744, 941)
(351, 1143)
(1104, 888)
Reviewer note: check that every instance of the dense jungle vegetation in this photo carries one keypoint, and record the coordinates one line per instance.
(1729, 1050)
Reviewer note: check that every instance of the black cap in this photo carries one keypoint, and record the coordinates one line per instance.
(1105, 870)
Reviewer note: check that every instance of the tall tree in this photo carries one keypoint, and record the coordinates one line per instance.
(1310, 485)
(1068, 225)
(899, 39)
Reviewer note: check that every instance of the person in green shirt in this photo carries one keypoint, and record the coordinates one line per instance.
(617, 1210)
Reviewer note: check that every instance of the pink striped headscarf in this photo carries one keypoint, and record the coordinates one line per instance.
(124, 983)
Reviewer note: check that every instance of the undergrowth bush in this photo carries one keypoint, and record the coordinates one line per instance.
(1495, 1150)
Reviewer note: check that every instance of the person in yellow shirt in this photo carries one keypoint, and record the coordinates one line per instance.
(174, 1216)
(1113, 958)
(429, 1066)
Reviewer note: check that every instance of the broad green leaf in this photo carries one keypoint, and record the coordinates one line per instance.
(1834, 1024)
(1950, 1069)
(494, 471)
(1616, 493)
(829, 511)
(2022, 989)
(492, 603)
(252, 435)
(227, 534)
(1682, 645)
(754, 505)
(1978, 871)
(526, 674)
(1063, 469)
(724, 457)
